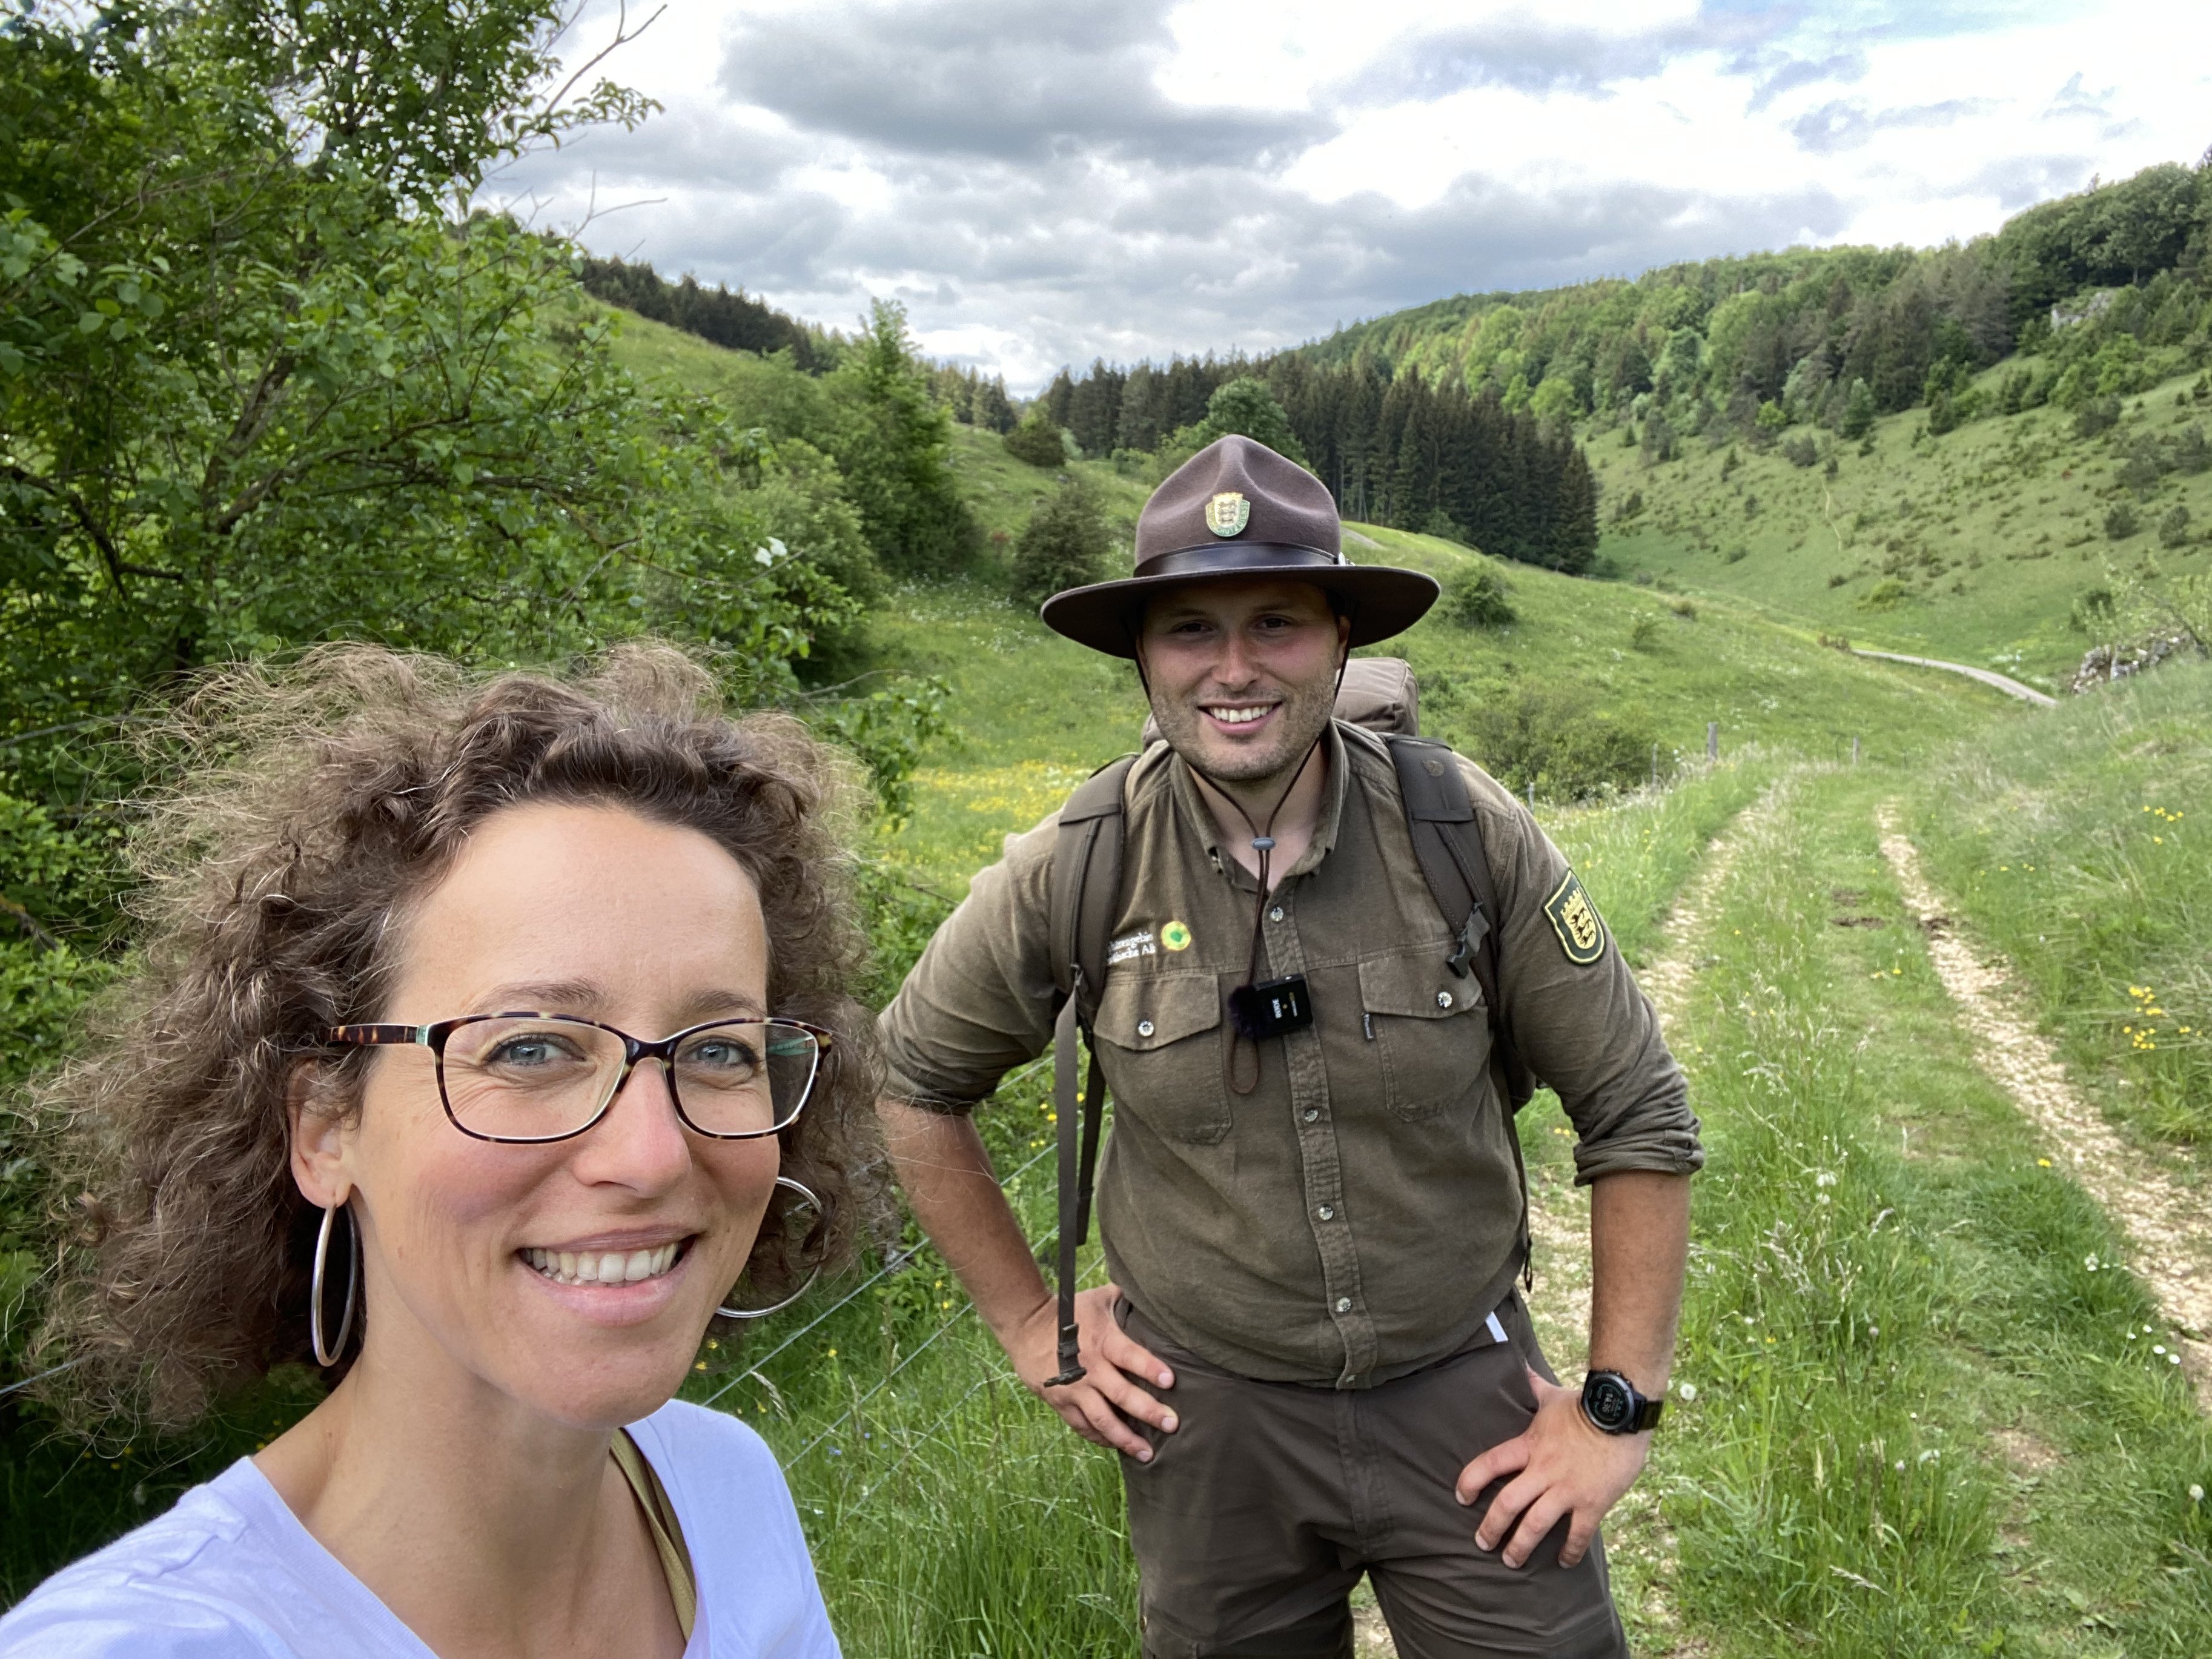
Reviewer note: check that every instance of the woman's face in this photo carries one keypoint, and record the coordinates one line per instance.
(566, 909)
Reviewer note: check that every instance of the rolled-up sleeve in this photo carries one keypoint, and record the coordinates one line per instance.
(980, 1001)
(1584, 1028)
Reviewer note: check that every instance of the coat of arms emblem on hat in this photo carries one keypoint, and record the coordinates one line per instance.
(1227, 514)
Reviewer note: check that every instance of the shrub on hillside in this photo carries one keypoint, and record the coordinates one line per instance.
(1064, 545)
(2100, 415)
(2191, 454)
(1037, 442)
(2121, 522)
(1800, 451)
(1556, 738)
(2173, 528)
(1475, 597)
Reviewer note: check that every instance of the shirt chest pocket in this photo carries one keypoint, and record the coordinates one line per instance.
(1159, 1037)
(1430, 1030)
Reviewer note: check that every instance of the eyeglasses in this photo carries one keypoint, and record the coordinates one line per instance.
(535, 1078)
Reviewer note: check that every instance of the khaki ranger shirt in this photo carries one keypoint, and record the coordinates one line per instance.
(1357, 1215)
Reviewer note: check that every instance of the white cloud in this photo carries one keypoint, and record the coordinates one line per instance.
(1043, 182)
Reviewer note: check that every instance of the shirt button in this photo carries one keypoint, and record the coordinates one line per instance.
(1443, 999)
(1343, 1305)
(1326, 1212)
(1275, 914)
(1312, 1112)
(1144, 1028)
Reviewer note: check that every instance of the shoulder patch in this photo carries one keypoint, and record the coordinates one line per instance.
(1574, 919)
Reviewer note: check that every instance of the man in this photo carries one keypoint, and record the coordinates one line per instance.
(1312, 1358)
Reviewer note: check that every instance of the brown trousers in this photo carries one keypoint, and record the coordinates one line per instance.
(1255, 1519)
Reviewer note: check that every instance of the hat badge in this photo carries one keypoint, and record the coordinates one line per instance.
(1227, 514)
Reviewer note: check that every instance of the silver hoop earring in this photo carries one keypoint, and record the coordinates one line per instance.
(327, 1355)
(807, 1194)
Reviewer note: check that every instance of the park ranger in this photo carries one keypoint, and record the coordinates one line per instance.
(1314, 1357)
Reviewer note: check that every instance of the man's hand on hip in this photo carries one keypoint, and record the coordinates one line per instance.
(1560, 1465)
(1095, 1407)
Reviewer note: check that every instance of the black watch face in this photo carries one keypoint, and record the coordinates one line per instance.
(1608, 1402)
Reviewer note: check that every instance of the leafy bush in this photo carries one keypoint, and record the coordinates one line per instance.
(2173, 528)
(1037, 442)
(1885, 595)
(1556, 738)
(1800, 451)
(2121, 522)
(2100, 415)
(1064, 545)
(2191, 454)
(1643, 631)
(1474, 596)
(2141, 470)
(2093, 612)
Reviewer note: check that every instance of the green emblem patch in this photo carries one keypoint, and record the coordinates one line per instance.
(1575, 918)
(1176, 936)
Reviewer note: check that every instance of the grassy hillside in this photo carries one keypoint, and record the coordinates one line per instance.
(1031, 713)
(1977, 545)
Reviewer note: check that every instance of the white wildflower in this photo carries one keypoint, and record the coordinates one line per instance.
(1687, 1390)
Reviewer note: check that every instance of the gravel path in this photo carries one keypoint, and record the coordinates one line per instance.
(2004, 682)
(2169, 1237)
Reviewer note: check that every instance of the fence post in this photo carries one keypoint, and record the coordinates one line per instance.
(1654, 766)
(1854, 751)
(1712, 740)
(1532, 794)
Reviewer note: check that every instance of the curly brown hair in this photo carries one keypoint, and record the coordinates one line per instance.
(309, 808)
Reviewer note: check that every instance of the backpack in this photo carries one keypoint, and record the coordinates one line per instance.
(1379, 695)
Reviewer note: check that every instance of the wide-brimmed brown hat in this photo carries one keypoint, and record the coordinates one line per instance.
(1237, 508)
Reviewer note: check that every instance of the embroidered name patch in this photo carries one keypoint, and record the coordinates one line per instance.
(1575, 918)
(1130, 946)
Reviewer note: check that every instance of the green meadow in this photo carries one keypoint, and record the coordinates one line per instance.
(1977, 546)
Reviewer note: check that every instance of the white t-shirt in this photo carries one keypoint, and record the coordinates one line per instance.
(230, 1573)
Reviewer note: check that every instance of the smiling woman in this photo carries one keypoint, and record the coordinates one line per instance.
(372, 1098)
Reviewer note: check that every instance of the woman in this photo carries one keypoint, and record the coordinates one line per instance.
(488, 1039)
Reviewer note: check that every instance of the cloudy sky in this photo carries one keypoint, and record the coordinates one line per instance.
(1046, 181)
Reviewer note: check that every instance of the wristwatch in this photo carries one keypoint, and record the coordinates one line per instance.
(1614, 1407)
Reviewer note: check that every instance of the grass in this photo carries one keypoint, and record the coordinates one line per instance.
(1974, 546)
(948, 1513)
(1924, 1422)
(2081, 846)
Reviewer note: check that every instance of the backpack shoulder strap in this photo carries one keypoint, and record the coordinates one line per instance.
(1447, 839)
(1085, 884)
(1084, 891)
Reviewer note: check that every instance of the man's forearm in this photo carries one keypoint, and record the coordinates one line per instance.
(956, 1198)
(1639, 1245)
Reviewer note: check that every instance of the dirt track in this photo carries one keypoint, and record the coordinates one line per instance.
(2170, 1244)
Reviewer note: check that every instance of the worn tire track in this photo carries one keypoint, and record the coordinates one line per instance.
(1559, 1217)
(2168, 1238)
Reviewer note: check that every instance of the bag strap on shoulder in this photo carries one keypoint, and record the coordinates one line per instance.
(1447, 839)
(1084, 888)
